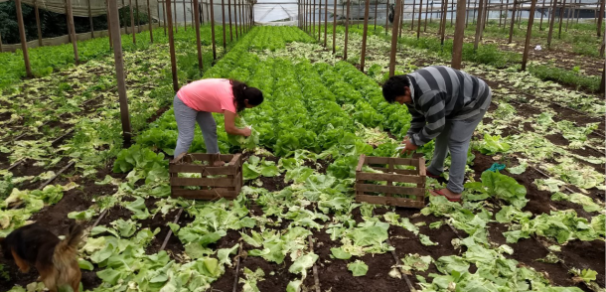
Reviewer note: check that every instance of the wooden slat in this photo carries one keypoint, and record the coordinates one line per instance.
(207, 182)
(207, 157)
(204, 194)
(361, 162)
(422, 170)
(401, 202)
(390, 190)
(397, 161)
(192, 168)
(398, 171)
(235, 160)
(389, 177)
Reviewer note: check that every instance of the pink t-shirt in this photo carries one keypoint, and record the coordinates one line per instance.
(208, 95)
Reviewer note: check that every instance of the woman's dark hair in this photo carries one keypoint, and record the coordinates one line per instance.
(394, 87)
(243, 92)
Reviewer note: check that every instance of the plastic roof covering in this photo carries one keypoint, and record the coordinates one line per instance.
(97, 7)
(268, 11)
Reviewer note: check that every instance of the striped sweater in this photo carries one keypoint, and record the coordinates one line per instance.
(439, 94)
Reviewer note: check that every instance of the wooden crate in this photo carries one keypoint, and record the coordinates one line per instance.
(369, 193)
(215, 182)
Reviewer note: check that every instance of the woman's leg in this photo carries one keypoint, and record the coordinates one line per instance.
(209, 131)
(186, 123)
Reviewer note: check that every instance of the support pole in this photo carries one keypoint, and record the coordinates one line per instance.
(176, 23)
(533, 5)
(364, 35)
(119, 64)
(346, 30)
(387, 16)
(451, 12)
(376, 13)
(501, 14)
(212, 29)
(28, 69)
(394, 39)
(149, 22)
(402, 20)
(109, 24)
(185, 16)
(72, 30)
(512, 21)
(479, 25)
(326, 22)
(319, 20)
(601, 17)
(231, 33)
(570, 14)
(313, 23)
(334, 28)
(37, 12)
(419, 22)
(1, 43)
(236, 18)
(467, 14)
(542, 14)
(443, 30)
(457, 42)
(561, 18)
(223, 25)
(197, 26)
(426, 12)
(132, 21)
(164, 18)
(138, 18)
(412, 18)
(551, 23)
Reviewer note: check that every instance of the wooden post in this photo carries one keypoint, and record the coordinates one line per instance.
(561, 18)
(443, 30)
(184, 16)
(412, 22)
(467, 14)
(37, 12)
(402, 20)
(319, 20)
(197, 26)
(223, 25)
(603, 83)
(109, 24)
(512, 21)
(325, 22)
(419, 23)
(542, 13)
(236, 18)
(486, 14)
(346, 30)
(313, 21)
(119, 64)
(479, 25)
(132, 21)
(570, 14)
(431, 15)
(364, 35)
(441, 16)
(149, 21)
(451, 12)
(475, 9)
(334, 27)
(394, 39)
(533, 5)
(212, 29)
(426, 12)
(28, 69)
(551, 23)
(387, 16)
(231, 33)
(601, 19)
(501, 14)
(520, 17)
(459, 35)
(1, 43)
(376, 13)
(72, 30)
(176, 21)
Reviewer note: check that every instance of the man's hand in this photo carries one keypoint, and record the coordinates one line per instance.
(409, 146)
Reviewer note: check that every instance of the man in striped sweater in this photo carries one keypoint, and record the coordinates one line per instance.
(446, 105)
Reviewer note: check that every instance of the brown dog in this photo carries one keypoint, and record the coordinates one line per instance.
(54, 259)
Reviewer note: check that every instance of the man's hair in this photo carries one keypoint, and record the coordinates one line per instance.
(395, 87)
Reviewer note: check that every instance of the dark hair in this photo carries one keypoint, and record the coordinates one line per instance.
(395, 87)
(243, 92)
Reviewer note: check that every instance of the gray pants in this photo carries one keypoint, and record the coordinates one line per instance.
(186, 122)
(454, 138)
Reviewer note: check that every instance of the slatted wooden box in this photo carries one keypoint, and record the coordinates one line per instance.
(370, 193)
(215, 182)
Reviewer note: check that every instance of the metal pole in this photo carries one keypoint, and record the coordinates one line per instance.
(28, 69)
(72, 30)
(346, 30)
(394, 40)
(325, 22)
(512, 21)
(334, 27)
(197, 26)
(364, 35)
(419, 23)
(149, 20)
(38, 21)
(119, 64)
(212, 29)
(231, 33)
(528, 34)
(459, 35)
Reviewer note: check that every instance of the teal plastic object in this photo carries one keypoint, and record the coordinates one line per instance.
(495, 167)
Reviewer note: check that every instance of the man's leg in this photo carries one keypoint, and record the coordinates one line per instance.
(209, 131)
(440, 151)
(186, 123)
(458, 143)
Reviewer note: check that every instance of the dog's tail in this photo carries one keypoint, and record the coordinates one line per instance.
(66, 250)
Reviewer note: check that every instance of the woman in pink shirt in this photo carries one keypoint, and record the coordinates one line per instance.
(196, 101)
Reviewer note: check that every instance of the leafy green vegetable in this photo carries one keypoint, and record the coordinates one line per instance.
(358, 268)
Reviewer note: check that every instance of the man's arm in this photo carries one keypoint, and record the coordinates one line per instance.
(432, 106)
(417, 123)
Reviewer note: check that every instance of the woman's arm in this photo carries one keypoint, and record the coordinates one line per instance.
(230, 126)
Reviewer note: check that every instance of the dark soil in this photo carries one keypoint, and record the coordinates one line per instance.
(173, 246)
(585, 255)
(276, 276)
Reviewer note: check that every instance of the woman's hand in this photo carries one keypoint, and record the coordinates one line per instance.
(246, 131)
